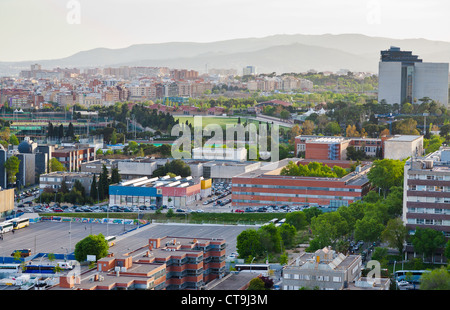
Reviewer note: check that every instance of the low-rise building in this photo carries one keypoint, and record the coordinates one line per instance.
(54, 180)
(324, 269)
(403, 146)
(166, 190)
(265, 186)
(335, 148)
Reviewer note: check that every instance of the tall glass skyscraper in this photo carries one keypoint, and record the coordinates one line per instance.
(404, 77)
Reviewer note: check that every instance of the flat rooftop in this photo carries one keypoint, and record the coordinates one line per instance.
(273, 170)
(404, 138)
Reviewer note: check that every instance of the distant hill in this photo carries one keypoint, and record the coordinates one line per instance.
(278, 53)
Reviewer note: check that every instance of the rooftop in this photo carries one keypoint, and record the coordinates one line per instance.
(404, 138)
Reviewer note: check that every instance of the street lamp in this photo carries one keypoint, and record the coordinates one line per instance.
(251, 264)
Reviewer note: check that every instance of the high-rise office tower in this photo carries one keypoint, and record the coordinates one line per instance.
(404, 77)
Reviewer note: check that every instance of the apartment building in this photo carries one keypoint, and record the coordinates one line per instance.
(72, 157)
(190, 262)
(166, 263)
(324, 269)
(426, 198)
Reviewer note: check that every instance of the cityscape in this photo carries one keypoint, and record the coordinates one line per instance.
(259, 165)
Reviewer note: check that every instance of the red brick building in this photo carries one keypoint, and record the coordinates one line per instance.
(172, 263)
(265, 187)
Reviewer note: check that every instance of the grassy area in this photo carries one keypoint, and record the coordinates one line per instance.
(221, 121)
(193, 218)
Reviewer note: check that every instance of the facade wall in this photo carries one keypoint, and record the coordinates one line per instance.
(431, 80)
(394, 149)
(6, 200)
(390, 82)
(294, 191)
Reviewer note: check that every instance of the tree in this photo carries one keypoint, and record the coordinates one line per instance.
(12, 168)
(427, 241)
(447, 250)
(368, 229)
(70, 133)
(297, 219)
(256, 284)
(248, 243)
(114, 137)
(94, 189)
(386, 173)
(406, 127)
(13, 140)
(437, 279)
(351, 131)
(115, 176)
(395, 234)
(307, 127)
(103, 183)
(287, 234)
(270, 238)
(91, 245)
(328, 228)
(394, 202)
(56, 165)
(444, 130)
(332, 129)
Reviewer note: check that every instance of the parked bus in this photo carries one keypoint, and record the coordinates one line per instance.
(111, 240)
(6, 226)
(280, 222)
(272, 221)
(412, 276)
(263, 268)
(20, 222)
(9, 268)
(39, 269)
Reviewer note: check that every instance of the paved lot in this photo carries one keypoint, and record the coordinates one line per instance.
(60, 238)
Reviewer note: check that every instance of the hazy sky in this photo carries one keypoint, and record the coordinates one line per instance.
(48, 29)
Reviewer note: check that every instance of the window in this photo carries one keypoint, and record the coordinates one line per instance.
(336, 279)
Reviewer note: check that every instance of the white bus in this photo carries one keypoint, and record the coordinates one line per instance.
(20, 222)
(111, 240)
(9, 268)
(6, 226)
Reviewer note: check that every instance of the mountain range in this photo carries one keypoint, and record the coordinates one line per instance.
(277, 53)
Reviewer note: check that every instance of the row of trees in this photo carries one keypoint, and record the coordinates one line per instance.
(313, 169)
(60, 132)
(270, 241)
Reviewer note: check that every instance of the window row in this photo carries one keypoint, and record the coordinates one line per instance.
(429, 222)
(429, 211)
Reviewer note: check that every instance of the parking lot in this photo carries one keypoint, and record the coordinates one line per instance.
(61, 237)
(218, 201)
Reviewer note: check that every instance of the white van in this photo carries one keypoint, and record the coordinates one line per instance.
(65, 265)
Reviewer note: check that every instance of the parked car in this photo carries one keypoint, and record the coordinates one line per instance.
(23, 253)
(239, 211)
